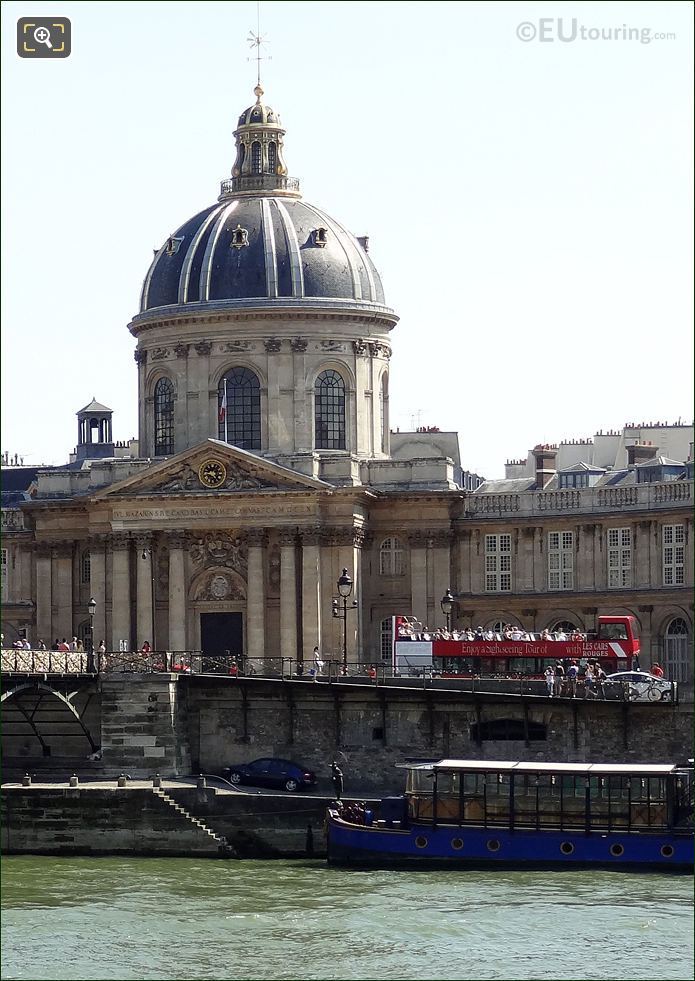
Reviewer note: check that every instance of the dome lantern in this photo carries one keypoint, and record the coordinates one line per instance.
(260, 164)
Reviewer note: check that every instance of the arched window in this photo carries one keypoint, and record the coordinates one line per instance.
(272, 158)
(329, 398)
(164, 417)
(677, 651)
(256, 158)
(384, 398)
(386, 637)
(239, 409)
(391, 557)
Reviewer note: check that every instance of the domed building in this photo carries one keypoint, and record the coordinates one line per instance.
(263, 468)
(263, 324)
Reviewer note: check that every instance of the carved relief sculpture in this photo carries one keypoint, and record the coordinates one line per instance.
(299, 344)
(219, 549)
(272, 345)
(203, 347)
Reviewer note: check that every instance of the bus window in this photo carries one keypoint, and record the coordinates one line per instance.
(612, 631)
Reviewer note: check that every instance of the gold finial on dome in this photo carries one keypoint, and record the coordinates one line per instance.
(258, 92)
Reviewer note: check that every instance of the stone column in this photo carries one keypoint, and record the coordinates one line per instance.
(177, 592)
(441, 561)
(647, 567)
(143, 578)
(97, 587)
(44, 622)
(463, 581)
(585, 573)
(120, 591)
(62, 569)
(311, 591)
(418, 578)
(145, 431)
(255, 594)
(200, 418)
(288, 595)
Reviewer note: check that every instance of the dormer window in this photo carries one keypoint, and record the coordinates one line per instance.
(320, 237)
(172, 245)
(240, 237)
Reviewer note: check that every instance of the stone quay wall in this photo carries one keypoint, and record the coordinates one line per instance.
(134, 821)
(369, 730)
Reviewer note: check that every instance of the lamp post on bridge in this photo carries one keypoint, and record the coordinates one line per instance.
(344, 590)
(447, 604)
(91, 608)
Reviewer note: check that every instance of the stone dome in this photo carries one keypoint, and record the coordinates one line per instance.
(260, 247)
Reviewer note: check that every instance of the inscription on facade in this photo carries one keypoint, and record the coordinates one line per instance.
(238, 511)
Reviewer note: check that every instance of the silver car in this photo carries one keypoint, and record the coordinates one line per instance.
(640, 686)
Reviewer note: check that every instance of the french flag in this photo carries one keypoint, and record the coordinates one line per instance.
(223, 404)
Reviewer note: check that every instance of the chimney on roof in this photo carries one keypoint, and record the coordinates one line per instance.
(545, 465)
(639, 452)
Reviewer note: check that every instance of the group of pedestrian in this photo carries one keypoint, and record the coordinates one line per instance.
(564, 681)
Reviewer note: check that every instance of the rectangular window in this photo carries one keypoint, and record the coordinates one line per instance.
(85, 569)
(674, 555)
(498, 563)
(3, 572)
(619, 558)
(561, 560)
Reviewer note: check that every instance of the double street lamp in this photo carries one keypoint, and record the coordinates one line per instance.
(344, 590)
(447, 604)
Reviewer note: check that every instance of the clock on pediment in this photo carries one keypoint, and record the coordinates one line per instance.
(212, 473)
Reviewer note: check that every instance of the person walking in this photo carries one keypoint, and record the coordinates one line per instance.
(337, 778)
(559, 677)
(318, 663)
(588, 681)
(573, 677)
(550, 679)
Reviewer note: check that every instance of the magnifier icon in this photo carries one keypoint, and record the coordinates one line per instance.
(43, 36)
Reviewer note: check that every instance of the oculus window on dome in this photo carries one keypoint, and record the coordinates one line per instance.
(239, 409)
(329, 399)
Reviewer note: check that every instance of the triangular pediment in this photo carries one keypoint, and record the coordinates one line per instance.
(213, 467)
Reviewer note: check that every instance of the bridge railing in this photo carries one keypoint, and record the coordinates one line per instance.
(19, 661)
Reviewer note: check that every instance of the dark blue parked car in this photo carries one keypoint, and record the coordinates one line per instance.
(282, 774)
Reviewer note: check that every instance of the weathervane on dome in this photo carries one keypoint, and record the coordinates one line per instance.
(255, 41)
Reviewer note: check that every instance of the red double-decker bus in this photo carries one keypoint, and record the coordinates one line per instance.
(614, 644)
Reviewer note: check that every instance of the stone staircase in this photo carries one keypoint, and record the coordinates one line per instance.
(224, 848)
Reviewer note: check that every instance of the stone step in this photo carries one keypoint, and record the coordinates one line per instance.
(158, 792)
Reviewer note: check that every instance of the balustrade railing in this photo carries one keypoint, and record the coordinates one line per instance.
(587, 499)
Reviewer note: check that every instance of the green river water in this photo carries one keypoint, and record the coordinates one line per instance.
(122, 918)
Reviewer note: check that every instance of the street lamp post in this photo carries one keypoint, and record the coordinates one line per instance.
(447, 604)
(92, 608)
(344, 590)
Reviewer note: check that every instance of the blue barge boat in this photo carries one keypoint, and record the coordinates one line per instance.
(482, 813)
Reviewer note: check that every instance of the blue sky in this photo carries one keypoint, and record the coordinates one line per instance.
(528, 202)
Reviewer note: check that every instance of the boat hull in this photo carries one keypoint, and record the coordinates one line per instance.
(477, 847)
